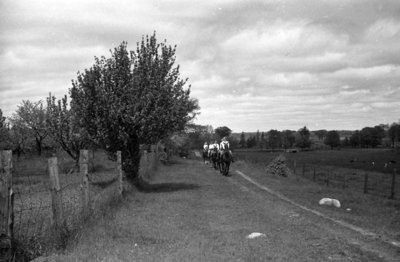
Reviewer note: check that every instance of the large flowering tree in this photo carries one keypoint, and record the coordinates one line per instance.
(131, 98)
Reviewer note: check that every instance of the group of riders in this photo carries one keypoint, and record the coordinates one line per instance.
(214, 148)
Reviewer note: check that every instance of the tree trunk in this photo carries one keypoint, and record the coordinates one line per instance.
(39, 146)
(18, 150)
(131, 159)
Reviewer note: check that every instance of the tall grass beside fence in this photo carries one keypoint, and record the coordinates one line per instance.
(52, 198)
(371, 171)
(369, 182)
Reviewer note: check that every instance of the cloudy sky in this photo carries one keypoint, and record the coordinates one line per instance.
(253, 65)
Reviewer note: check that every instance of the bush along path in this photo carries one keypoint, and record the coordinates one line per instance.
(190, 212)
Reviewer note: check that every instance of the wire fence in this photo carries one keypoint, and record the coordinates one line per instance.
(369, 182)
(42, 199)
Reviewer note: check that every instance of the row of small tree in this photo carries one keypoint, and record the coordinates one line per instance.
(274, 139)
(27, 124)
(195, 135)
(366, 137)
(131, 98)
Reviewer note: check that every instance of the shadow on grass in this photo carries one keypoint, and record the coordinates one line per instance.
(175, 161)
(146, 187)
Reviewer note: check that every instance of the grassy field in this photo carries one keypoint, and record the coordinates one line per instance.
(189, 212)
(373, 210)
(369, 211)
(346, 168)
(146, 227)
(373, 160)
(32, 197)
(385, 160)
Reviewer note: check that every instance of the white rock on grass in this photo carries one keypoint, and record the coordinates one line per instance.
(255, 235)
(329, 202)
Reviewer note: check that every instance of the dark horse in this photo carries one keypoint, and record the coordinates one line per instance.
(205, 156)
(225, 162)
(214, 157)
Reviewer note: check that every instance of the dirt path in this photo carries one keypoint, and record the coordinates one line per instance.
(192, 213)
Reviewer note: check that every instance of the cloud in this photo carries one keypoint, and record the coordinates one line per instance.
(383, 30)
(252, 64)
(354, 92)
(294, 38)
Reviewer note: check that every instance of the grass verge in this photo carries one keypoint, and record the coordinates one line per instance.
(374, 213)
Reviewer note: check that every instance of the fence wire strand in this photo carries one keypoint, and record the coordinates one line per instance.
(33, 215)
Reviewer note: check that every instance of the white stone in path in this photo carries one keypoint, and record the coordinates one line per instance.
(329, 202)
(255, 235)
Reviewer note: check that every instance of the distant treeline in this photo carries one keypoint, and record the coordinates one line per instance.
(368, 137)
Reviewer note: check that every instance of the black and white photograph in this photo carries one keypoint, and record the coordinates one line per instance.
(176, 130)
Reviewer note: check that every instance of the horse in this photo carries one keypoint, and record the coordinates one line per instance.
(214, 157)
(205, 156)
(225, 162)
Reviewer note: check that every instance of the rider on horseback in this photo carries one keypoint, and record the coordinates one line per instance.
(205, 153)
(225, 146)
(210, 149)
(216, 145)
(213, 148)
(205, 147)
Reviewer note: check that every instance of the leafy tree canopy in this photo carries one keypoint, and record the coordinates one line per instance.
(274, 139)
(332, 139)
(321, 134)
(64, 127)
(4, 132)
(133, 97)
(223, 131)
(33, 116)
(288, 138)
(394, 133)
(303, 140)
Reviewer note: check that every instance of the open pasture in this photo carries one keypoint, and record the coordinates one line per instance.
(371, 160)
(363, 170)
(372, 171)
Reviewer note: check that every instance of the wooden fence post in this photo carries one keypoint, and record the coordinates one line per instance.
(6, 194)
(83, 169)
(120, 173)
(392, 191)
(91, 161)
(366, 183)
(56, 200)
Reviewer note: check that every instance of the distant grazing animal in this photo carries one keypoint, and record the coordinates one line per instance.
(390, 162)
